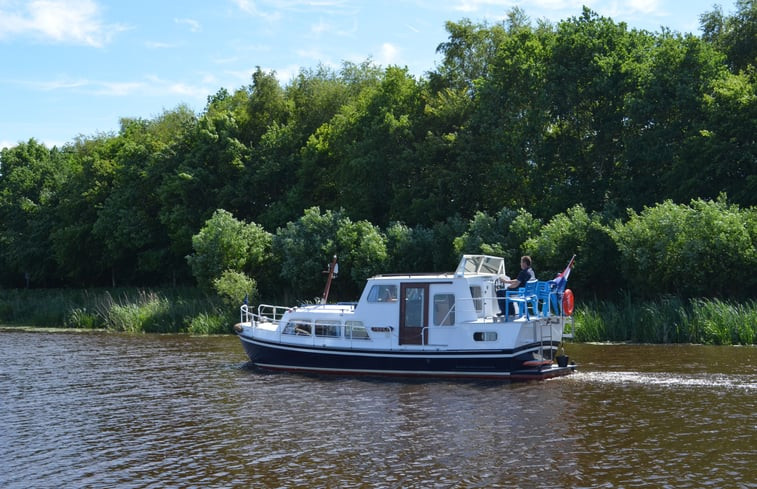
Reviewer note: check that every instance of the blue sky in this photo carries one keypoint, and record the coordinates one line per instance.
(75, 67)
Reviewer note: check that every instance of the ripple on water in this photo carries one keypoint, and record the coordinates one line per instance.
(101, 410)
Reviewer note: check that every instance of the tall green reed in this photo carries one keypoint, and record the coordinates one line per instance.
(668, 320)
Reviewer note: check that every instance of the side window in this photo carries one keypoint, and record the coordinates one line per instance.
(383, 293)
(475, 292)
(300, 328)
(328, 328)
(485, 336)
(355, 330)
(444, 309)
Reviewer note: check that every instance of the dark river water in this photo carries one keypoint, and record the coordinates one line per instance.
(153, 411)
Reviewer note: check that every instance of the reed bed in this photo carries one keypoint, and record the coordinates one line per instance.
(188, 310)
(668, 320)
(169, 310)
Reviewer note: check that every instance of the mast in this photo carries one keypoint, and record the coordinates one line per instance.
(332, 271)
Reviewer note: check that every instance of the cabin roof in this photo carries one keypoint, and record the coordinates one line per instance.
(469, 265)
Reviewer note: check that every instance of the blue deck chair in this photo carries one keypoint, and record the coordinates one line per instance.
(557, 289)
(525, 296)
(544, 298)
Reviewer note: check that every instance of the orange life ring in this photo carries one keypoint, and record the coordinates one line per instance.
(567, 302)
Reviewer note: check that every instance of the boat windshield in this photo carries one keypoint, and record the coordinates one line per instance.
(481, 264)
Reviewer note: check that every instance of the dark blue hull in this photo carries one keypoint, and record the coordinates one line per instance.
(484, 364)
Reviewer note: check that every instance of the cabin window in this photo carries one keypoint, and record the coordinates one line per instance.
(355, 330)
(485, 336)
(328, 328)
(299, 328)
(383, 293)
(475, 292)
(444, 309)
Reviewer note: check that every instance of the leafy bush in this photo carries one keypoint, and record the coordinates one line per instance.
(305, 248)
(407, 248)
(502, 235)
(232, 287)
(705, 249)
(225, 243)
(576, 232)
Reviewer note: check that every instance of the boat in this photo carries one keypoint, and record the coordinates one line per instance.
(440, 325)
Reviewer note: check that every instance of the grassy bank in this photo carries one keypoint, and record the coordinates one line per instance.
(668, 320)
(188, 310)
(169, 310)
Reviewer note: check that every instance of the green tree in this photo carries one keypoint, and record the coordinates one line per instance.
(667, 122)
(723, 153)
(704, 249)
(305, 248)
(267, 105)
(227, 244)
(576, 232)
(136, 243)
(199, 175)
(589, 74)
(468, 52)
(32, 178)
(735, 35)
(408, 248)
(378, 149)
(502, 142)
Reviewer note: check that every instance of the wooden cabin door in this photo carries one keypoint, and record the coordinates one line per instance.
(413, 314)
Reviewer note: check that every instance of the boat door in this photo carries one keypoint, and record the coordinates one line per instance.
(413, 314)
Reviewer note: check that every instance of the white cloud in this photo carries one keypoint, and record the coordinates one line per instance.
(65, 21)
(645, 6)
(160, 45)
(194, 25)
(472, 6)
(320, 27)
(559, 8)
(388, 54)
(150, 86)
(250, 7)
(313, 54)
(117, 89)
(60, 84)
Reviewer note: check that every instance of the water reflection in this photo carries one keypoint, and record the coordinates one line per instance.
(98, 410)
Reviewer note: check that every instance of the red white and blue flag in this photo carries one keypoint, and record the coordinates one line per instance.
(562, 277)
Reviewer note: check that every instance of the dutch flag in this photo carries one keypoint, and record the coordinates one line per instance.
(562, 277)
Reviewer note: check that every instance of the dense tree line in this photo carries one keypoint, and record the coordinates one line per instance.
(582, 137)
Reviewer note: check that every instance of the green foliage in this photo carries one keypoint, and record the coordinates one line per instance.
(81, 318)
(32, 179)
(130, 310)
(733, 34)
(206, 324)
(567, 123)
(306, 246)
(483, 236)
(233, 287)
(724, 323)
(408, 248)
(225, 243)
(503, 235)
(668, 320)
(703, 249)
(575, 232)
